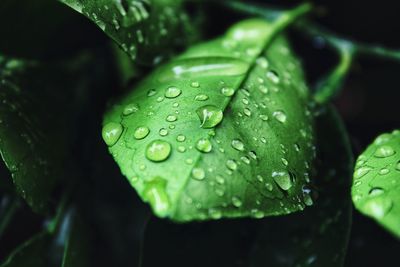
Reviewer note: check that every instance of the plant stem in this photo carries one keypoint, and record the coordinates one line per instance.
(56, 220)
(348, 49)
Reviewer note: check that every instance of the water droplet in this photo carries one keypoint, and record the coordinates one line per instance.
(245, 159)
(273, 76)
(284, 161)
(280, 116)
(204, 145)
(215, 214)
(171, 118)
(129, 109)
(158, 150)
(209, 116)
(237, 144)
(378, 207)
(201, 97)
(258, 214)
(181, 149)
(376, 191)
(384, 171)
(398, 166)
(220, 179)
(227, 91)
(384, 151)
(236, 202)
(231, 164)
(155, 193)
(195, 84)
(253, 155)
(151, 92)
(247, 112)
(263, 89)
(163, 132)
(198, 173)
(262, 62)
(172, 92)
(245, 101)
(282, 179)
(180, 138)
(383, 138)
(360, 172)
(141, 132)
(111, 133)
(263, 117)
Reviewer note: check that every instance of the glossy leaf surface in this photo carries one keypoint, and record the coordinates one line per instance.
(146, 30)
(315, 237)
(376, 183)
(223, 130)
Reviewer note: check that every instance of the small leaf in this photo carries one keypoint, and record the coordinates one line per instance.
(146, 30)
(376, 183)
(228, 130)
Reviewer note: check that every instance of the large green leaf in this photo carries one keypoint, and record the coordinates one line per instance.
(316, 237)
(223, 130)
(376, 183)
(146, 30)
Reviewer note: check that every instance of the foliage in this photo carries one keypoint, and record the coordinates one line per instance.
(215, 121)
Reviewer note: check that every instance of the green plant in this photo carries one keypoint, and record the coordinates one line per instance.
(219, 134)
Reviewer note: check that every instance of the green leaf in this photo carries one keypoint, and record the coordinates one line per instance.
(316, 237)
(31, 253)
(223, 130)
(146, 30)
(24, 137)
(38, 122)
(376, 186)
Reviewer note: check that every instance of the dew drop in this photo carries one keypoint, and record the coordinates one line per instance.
(378, 207)
(129, 109)
(171, 118)
(172, 92)
(237, 144)
(376, 191)
(209, 116)
(282, 179)
(204, 145)
(180, 138)
(273, 76)
(195, 84)
(201, 97)
(384, 171)
(263, 117)
(384, 151)
(158, 150)
(198, 173)
(155, 193)
(247, 112)
(163, 132)
(360, 172)
(141, 132)
(236, 202)
(111, 133)
(245, 159)
(280, 116)
(227, 91)
(231, 164)
(151, 92)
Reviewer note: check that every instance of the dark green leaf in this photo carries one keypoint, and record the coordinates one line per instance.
(221, 131)
(376, 183)
(316, 237)
(146, 30)
(38, 114)
(32, 253)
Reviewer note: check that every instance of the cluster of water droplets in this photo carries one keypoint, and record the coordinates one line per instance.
(376, 175)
